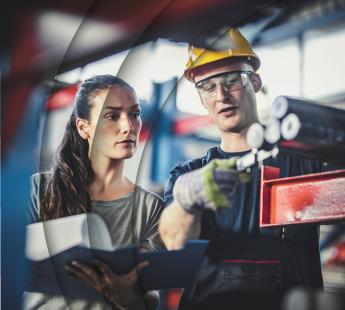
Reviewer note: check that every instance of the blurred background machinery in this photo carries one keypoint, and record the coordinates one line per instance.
(48, 47)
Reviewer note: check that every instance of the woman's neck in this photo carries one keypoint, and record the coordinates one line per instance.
(109, 183)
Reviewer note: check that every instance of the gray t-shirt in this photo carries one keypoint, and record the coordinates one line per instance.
(131, 220)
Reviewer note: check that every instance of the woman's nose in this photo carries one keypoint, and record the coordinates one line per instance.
(126, 124)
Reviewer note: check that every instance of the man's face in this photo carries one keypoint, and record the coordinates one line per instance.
(233, 109)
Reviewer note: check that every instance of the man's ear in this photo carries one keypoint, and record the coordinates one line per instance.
(256, 80)
(83, 127)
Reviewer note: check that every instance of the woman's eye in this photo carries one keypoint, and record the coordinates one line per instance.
(111, 116)
(135, 114)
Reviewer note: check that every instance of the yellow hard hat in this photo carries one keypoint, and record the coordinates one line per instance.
(240, 47)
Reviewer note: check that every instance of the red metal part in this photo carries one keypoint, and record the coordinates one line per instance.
(145, 133)
(191, 124)
(312, 198)
(338, 255)
(62, 98)
(172, 298)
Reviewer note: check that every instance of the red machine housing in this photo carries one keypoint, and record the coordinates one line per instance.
(312, 198)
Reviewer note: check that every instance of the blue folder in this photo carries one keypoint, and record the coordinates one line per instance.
(166, 269)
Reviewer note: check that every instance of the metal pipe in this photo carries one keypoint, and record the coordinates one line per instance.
(292, 127)
(255, 136)
(309, 111)
(273, 132)
(311, 140)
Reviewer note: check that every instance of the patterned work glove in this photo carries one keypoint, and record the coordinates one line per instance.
(211, 187)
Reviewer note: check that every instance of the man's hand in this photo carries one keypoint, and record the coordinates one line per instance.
(211, 187)
(120, 290)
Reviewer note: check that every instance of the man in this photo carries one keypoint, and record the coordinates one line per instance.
(246, 267)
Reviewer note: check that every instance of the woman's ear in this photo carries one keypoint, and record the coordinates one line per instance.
(256, 80)
(83, 127)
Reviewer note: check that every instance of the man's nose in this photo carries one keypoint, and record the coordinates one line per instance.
(222, 92)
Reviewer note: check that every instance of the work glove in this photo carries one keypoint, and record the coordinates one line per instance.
(210, 187)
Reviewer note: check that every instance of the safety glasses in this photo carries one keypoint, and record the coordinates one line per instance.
(230, 81)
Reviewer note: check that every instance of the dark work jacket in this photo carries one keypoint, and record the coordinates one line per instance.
(247, 266)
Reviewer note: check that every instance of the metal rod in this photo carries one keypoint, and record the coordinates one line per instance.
(309, 111)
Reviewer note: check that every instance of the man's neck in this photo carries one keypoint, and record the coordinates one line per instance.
(234, 142)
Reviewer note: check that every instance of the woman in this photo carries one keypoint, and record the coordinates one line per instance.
(87, 176)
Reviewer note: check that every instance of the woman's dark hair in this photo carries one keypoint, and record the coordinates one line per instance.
(66, 191)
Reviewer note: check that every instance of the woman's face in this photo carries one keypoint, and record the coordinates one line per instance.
(115, 123)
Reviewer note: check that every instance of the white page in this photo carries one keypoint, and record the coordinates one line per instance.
(49, 238)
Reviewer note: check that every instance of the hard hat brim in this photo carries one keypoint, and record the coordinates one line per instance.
(252, 59)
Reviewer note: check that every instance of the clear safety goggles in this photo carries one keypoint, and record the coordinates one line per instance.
(230, 81)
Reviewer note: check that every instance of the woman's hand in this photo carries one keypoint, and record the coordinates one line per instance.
(120, 290)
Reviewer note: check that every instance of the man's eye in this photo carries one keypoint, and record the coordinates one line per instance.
(209, 87)
(233, 80)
